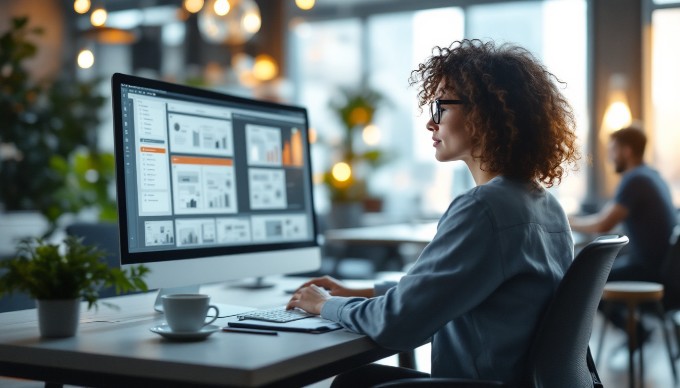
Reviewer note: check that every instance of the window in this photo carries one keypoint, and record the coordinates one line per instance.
(382, 49)
(540, 27)
(665, 84)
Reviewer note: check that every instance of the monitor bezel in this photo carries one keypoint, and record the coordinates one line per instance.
(180, 255)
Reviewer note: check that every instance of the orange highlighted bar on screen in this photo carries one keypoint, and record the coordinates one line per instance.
(154, 150)
(296, 147)
(292, 150)
(204, 161)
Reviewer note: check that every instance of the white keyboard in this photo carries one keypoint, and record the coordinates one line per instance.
(276, 314)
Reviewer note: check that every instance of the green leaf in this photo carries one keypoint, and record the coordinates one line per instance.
(69, 270)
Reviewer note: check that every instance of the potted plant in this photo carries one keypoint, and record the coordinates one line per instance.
(60, 279)
(49, 157)
(346, 180)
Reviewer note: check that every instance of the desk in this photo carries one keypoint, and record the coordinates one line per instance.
(390, 237)
(115, 348)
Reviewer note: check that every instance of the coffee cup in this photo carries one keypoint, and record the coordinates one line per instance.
(187, 312)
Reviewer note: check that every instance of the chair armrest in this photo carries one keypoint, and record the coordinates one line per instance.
(441, 383)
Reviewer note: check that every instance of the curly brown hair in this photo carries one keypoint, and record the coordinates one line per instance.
(520, 124)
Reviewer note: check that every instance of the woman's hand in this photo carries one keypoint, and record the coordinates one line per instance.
(312, 295)
(336, 288)
(310, 298)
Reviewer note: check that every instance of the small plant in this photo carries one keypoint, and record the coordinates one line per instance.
(43, 272)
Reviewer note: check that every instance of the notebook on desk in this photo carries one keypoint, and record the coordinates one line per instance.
(314, 325)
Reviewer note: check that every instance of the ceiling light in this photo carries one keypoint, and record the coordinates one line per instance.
(221, 7)
(265, 68)
(305, 5)
(85, 59)
(232, 22)
(193, 6)
(81, 6)
(98, 17)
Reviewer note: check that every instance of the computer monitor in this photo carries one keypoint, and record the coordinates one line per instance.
(211, 187)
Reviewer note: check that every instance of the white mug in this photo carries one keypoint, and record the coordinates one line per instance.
(187, 312)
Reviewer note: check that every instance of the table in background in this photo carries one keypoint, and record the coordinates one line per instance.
(390, 237)
(393, 236)
(116, 348)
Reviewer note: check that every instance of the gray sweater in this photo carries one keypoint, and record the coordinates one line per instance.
(477, 291)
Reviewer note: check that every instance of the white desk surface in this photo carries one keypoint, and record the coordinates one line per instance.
(116, 348)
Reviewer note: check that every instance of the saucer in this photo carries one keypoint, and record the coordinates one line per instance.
(166, 332)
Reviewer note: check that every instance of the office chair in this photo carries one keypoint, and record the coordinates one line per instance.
(103, 235)
(559, 356)
(16, 301)
(670, 275)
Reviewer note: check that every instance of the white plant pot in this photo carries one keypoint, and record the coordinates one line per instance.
(58, 318)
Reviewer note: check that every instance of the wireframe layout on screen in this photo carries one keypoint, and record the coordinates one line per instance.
(211, 187)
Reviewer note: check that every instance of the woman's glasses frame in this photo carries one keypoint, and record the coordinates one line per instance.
(436, 108)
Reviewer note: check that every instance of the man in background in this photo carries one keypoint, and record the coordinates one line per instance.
(643, 205)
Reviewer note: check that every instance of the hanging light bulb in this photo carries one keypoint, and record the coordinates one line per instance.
(193, 6)
(85, 59)
(231, 22)
(98, 17)
(81, 6)
(221, 7)
(305, 5)
(251, 21)
(265, 68)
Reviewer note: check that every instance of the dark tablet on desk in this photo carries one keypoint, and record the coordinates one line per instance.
(314, 325)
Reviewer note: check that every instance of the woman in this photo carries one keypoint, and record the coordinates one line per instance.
(479, 288)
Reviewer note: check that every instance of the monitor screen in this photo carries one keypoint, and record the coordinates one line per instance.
(211, 187)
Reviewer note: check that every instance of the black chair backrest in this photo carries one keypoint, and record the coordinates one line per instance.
(670, 273)
(558, 354)
(103, 235)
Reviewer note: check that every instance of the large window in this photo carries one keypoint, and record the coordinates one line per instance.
(540, 27)
(665, 86)
(381, 50)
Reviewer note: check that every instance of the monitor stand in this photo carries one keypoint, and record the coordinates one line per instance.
(258, 284)
(226, 310)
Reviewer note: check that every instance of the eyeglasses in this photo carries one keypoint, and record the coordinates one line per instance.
(436, 108)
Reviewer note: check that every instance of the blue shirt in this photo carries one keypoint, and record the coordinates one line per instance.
(478, 289)
(651, 216)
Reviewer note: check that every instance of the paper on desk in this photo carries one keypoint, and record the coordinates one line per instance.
(307, 325)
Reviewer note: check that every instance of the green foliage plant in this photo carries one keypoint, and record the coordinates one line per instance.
(45, 123)
(41, 270)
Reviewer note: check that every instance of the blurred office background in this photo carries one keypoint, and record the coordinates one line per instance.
(618, 60)
(348, 62)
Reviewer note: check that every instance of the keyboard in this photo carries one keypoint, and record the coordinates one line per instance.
(276, 314)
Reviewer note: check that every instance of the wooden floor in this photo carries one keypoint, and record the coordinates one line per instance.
(613, 367)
